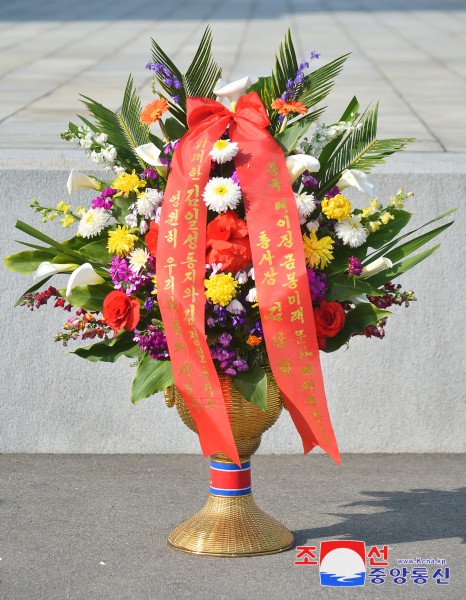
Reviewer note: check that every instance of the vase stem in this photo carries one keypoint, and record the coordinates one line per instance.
(227, 479)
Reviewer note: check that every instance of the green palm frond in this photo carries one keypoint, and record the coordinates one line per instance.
(317, 85)
(359, 149)
(159, 56)
(203, 73)
(137, 133)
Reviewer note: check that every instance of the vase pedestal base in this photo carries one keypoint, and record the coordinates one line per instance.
(231, 526)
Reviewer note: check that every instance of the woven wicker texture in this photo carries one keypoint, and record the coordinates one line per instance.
(233, 526)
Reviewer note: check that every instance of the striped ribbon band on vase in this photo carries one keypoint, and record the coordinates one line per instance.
(227, 479)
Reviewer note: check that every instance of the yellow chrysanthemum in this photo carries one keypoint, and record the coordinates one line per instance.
(221, 288)
(121, 241)
(338, 207)
(128, 182)
(318, 253)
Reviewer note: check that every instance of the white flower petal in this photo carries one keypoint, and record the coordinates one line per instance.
(376, 266)
(78, 181)
(235, 307)
(357, 179)
(47, 268)
(298, 163)
(83, 275)
(150, 154)
(234, 90)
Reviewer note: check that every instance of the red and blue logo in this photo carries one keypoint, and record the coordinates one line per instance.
(227, 479)
(342, 563)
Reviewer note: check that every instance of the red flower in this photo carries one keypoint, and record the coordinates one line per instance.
(329, 318)
(152, 237)
(228, 242)
(120, 311)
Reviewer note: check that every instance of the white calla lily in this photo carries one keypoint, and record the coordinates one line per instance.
(47, 268)
(150, 154)
(234, 90)
(78, 181)
(83, 275)
(376, 266)
(298, 163)
(357, 179)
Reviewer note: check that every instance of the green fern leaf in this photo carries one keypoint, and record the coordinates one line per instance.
(317, 85)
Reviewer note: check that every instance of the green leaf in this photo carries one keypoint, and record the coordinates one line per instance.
(400, 268)
(203, 73)
(341, 255)
(151, 377)
(121, 209)
(33, 288)
(26, 261)
(375, 255)
(174, 130)
(35, 233)
(341, 288)
(136, 133)
(89, 297)
(363, 315)
(111, 350)
(409, 247)
(253, 386)
(317, 85)
(387, 232)
(97, 251)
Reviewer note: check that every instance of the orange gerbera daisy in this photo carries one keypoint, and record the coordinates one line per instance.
(152, 112)
(253, 340)
(285, 107)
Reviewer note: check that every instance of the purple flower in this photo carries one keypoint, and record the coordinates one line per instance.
(124, 278)
(152, 341)
(241, 365)
(317, 285)
(103, 200)
(230, 372)
(108, 192)
(149, 303)
(333, 192)
(314, 55)
(309, 181)
(149, 174)
(224, 339)
(235, 178)
(354, 266)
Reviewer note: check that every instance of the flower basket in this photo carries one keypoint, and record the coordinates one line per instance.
(222, 253)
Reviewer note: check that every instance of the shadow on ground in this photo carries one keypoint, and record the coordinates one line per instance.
(405, 516)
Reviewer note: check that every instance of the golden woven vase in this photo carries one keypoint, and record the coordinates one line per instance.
(233, 525)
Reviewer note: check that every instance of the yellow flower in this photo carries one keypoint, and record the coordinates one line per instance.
(221, 289)
(366, 212)
(154, 281)
(386, 218)
(128, 182)
(338, 207)
(66, 221)
(63, 207)
(375, 205)
(121, 241)
(318, 253)
(374, 226)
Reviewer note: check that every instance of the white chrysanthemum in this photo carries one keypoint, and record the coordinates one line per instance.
(148, 202)
(306, 206)
(138, 259)
(131, 220)
(224, 151)
(351, 232)
(92, 222)
(221, 194)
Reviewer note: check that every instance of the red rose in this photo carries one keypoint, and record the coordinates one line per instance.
(121, 312)
(228, 242)
(152, 237)
(329, 318)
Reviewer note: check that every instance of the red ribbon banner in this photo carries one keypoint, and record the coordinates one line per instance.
(280, 275)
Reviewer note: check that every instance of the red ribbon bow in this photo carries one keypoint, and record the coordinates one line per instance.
(280, 274)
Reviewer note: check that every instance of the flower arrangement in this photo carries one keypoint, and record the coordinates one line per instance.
(132, 226)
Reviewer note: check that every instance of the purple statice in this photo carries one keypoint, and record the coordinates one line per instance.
(104, 200)
(152, 341)
(317, 285)
(293, 84)
(124, 278)
(149, 174)
(164, 74)
(309, 181)
(354, 266)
